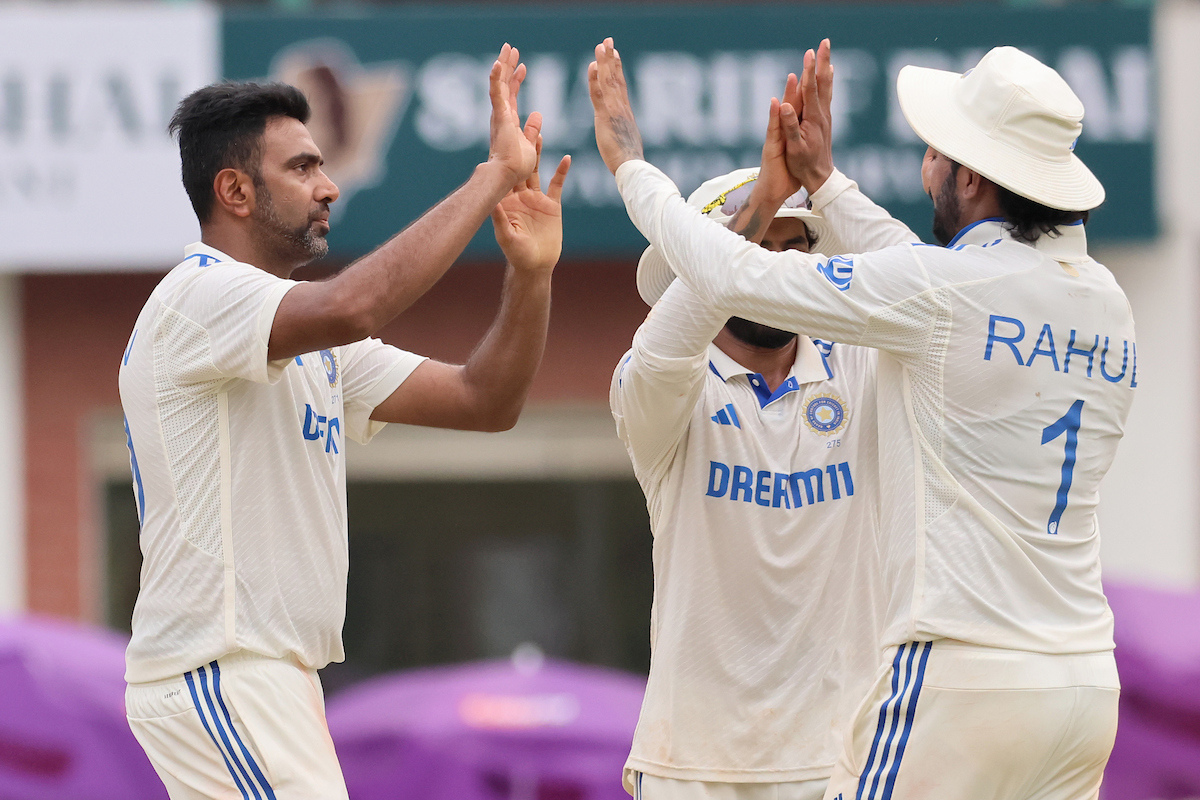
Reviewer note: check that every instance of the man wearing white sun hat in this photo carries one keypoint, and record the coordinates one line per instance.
(756, 450)
(1007, 366)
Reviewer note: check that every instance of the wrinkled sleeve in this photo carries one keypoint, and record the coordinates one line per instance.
(371, 372)
(882, 299)
(221, 323)
(859, 223)
(658, 382)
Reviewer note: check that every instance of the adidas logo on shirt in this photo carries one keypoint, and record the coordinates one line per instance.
(727, 416)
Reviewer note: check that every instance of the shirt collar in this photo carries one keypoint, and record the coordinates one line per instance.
(979, 232)
(808, 367)
(1069, 247)
(200, 248)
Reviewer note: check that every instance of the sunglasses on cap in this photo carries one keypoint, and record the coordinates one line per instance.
(732, 199)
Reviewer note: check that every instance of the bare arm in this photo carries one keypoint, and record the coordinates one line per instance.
(367, 294)
(487, 392)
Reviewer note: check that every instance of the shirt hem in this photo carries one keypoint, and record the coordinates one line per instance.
(716, 775)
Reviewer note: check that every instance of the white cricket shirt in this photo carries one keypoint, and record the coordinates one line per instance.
(763, 507)
(1005, 377)
(239, 470)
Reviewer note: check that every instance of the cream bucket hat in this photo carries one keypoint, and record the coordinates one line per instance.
(720, 198)
(1012, 119)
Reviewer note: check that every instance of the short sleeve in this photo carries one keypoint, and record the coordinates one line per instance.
(371, 371)
(234, 306)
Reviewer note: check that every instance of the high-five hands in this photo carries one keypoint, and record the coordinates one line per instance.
(806, 122)
(528, 223)
(617, 133)
(508, 145)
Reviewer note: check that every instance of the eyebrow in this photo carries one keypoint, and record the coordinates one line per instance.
(302, 158)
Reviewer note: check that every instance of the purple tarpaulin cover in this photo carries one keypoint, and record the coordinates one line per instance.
(63, 734)
(1157, 751)
(488, 731)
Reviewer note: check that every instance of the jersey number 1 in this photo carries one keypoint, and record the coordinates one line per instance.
(1069, 424)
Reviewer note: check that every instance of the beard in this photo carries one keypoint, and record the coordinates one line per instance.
(756, 335)
(291, 243)
(946, 212)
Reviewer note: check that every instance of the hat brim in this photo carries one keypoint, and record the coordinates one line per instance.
(925, 99)
(654, 274)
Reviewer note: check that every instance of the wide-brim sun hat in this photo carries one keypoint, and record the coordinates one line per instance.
(720, 198)
(1012, 119)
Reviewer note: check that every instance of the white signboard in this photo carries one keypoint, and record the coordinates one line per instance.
(89, 177)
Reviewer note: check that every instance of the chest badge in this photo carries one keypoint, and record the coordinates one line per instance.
(826, 414)
(329, 362)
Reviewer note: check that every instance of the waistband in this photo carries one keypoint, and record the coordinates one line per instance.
(236, 661)
(957, 665)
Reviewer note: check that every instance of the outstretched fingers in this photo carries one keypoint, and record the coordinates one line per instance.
(791, 93)
(824, 75)
(499, 90)
(558, 179)
(514, 83)
(533, 133)
(808, 85)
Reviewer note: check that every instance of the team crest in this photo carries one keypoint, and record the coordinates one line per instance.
(826, 414)
(329, 361)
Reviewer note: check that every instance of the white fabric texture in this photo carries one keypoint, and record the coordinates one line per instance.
(243, 726)
(239, 470)
(763, 525)
(1006, 374)
(960, 722)
(652, 787)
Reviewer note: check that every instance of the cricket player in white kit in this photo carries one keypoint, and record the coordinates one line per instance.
(757, 453)
(1006, 371)
(240, 387)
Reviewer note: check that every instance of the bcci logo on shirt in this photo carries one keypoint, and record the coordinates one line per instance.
(329, 361)
(826, 414)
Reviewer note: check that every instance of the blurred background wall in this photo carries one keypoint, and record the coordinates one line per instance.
(466, 545)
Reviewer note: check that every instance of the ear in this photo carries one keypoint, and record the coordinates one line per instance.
(234, 191)
(972, 185)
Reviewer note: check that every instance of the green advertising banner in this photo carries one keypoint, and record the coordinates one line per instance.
(401, 105)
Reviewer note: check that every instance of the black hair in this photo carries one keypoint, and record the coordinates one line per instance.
(1027, 220)
(221, 126)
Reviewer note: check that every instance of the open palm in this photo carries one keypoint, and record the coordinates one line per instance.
(528, 222)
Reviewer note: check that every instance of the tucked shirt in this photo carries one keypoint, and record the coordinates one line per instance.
(1006, 373)
(239, 470)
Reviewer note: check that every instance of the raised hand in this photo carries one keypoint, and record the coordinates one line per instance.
(508, 145)
(528, 223)
(806, 120)
(775, 181)
(617, 133)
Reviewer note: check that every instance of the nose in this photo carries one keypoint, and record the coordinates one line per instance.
(327, 190)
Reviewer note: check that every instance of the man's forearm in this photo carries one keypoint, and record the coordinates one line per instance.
(402, 269)
(501, 369)
(754, 218)
(365, 296)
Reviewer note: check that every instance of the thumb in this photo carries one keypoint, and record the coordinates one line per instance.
(500, 223)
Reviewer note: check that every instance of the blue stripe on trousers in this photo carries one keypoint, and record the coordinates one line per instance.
(896, 711)
(262, 780)
(199, 710)
(912, 710)
(224, 736)
(862, 779)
